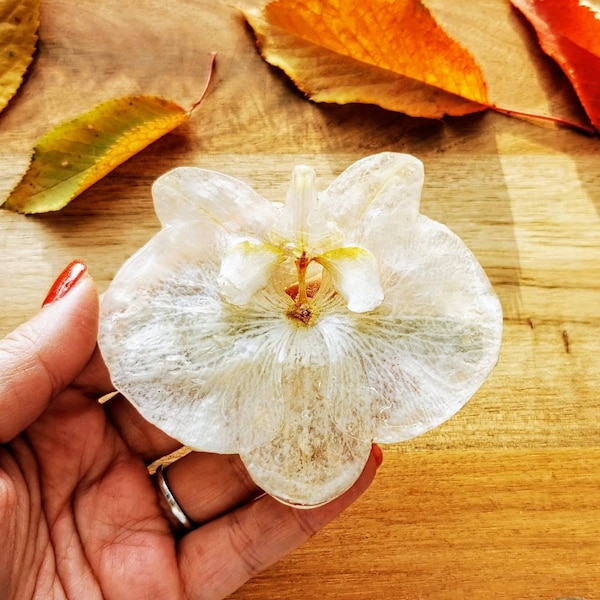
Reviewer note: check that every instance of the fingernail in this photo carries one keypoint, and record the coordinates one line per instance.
(377, 455)
(72, 274)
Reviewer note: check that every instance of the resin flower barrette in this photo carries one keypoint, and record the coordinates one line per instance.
(297, 334)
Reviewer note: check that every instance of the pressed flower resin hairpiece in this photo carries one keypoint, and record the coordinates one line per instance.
(298, 334)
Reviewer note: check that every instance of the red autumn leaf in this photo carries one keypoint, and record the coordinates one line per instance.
(569, 32)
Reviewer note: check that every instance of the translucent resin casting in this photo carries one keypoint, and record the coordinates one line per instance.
(297, 334)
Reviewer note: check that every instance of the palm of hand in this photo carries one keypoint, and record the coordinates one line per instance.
(84, 517)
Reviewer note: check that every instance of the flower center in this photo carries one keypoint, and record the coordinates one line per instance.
(302, 291)
(302, 233)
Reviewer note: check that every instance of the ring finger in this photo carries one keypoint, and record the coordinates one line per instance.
(208, 485)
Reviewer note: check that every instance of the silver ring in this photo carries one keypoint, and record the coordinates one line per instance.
(181, 520)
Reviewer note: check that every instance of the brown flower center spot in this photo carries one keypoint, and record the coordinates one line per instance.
(312, 287)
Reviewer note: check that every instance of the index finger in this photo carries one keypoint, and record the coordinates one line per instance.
(42, 357)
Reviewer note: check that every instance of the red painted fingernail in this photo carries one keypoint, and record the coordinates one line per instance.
(72, 274)
(377, 455)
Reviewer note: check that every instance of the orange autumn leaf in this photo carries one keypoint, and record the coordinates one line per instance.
(391, 53)
(569, 32)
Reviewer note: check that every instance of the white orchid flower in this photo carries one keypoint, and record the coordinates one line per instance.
(298, 334)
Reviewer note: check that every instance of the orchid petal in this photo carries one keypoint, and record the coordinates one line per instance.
(189, 194)
(203, 372)
(437, 333)
(425, 371)
(246, 268)
(375, 200)
(355, 276)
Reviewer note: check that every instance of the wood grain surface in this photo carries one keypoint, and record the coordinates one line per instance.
(502, 501)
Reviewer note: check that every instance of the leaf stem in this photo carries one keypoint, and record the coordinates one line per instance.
(211, 69)
(562, 121)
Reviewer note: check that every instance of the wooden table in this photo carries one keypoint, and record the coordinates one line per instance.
(503, 501)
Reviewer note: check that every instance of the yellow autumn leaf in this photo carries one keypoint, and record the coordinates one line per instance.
(77, 153)
(19, 21)
(389, 53)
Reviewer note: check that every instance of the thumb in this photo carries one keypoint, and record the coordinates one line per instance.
(41, 357)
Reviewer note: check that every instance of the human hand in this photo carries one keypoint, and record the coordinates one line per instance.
(80, 516)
